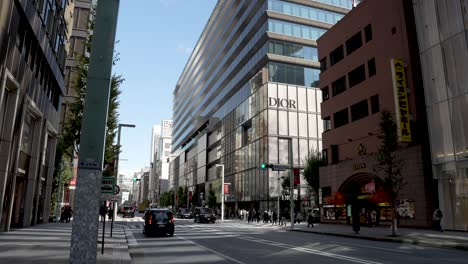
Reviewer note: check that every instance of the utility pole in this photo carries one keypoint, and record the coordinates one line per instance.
(93, 134)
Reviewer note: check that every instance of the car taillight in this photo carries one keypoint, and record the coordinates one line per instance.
(150, 219)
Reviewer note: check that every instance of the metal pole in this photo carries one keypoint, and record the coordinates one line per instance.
(279, 190)
(93, 135)
(222, 192)
(291, 182)
(59, 196)
(103, 234)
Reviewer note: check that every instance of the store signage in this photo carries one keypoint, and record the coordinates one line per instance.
(283, 103)
(401, 100)
(359, 166)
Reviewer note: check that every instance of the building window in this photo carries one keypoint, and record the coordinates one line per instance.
(323, 64)
(359, 110)
(292, 74)
(335, 157)
(371, 67)
(353, 43)
(357, 76)
(368, 33)
(292, 50)
(375, 106)
(340, 118)
(325, 157)
(326, 124)
(167, 145)
(336, 55)
(339, 86)
(325, 93)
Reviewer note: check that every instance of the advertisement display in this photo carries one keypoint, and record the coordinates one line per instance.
(401, 100)
(405, 209)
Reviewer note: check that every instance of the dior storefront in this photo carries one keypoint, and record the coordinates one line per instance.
(254, 132)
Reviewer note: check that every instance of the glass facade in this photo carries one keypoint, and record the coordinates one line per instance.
(306, 12)
(232, 105)
(443, 37)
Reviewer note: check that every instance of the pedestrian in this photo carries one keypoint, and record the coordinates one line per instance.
(310, 219)
(369, 218)
(436, 219)
(62, 214)
(68, 214)
(110, 213)
(299, 217)
(356, 215)
(102, 212)
(258, 216)
(275, 218)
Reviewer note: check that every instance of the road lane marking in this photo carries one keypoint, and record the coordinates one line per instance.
(380, 248)
(213, 251)
(308, 250)
(130, 238)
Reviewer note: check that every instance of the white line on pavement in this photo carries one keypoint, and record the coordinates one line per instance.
(308, 250)
(213, 251)
(387, 249)
(130, 238)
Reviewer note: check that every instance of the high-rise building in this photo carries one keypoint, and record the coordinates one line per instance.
(248, 88)
(155, 139)
(369, 65)
(34, 37)
(442, 31)
(161, 159)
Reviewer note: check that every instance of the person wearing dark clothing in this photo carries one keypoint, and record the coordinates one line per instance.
(275, 218)
(310, 220)
(436, 219)
(356, 218)
(68, 212)
(102, 212)
(369, 218)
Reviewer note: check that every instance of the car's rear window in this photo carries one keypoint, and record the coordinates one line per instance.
(161, 215)
(184, 210)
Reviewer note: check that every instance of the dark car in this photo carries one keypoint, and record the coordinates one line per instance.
(202, 214)
(128, 211)
(184, 213)
(158, 222)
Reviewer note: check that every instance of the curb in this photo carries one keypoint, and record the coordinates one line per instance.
(403, 240)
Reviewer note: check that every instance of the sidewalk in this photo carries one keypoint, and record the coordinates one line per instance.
(425, 237)
(50, 243)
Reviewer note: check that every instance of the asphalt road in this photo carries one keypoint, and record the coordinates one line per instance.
(234, 242)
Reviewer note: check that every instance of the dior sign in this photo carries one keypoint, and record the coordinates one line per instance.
(283, 103)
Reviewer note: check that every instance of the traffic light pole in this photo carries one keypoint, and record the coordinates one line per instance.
(93, 134)
(291, 181)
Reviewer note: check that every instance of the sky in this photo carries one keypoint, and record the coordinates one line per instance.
(154, 40)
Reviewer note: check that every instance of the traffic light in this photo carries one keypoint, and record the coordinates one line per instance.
(265, 166)
(134, 179)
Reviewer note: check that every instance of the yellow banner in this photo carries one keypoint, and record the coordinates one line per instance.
(402, 101)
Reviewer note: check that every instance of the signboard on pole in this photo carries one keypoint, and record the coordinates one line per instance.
(108, 185)
(297, 178)
(226, 188)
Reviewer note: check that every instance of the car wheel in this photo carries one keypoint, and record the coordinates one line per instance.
(213, 221)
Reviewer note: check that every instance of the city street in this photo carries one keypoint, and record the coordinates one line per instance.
(239, 242)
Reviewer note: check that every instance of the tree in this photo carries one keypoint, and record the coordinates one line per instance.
(69, 141)
(167, 199)
(388, 165)
(182, 193)
(312, 171)
(212, 200)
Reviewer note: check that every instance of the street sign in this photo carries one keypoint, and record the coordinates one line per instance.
(117, 189)
(109, 197)
(280, 167)
(108, 185)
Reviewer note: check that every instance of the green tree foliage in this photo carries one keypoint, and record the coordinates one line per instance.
(312, 171)
(167, 199)
(212, 200)
(389, 166)
(182, 194)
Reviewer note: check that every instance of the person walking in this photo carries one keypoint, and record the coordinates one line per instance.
(310, 220)
(299, 217)
(102, 212)
(68, 212)
(436, 219)
(275, 218)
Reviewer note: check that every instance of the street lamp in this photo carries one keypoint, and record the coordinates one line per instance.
(222, 189)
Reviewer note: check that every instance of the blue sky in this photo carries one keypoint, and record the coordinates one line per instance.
(155, 39)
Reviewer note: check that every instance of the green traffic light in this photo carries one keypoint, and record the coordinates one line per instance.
(263, 166)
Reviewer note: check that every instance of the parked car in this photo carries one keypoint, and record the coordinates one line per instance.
(184, 213)
(158, 222)
(202, 214)
(128, 211)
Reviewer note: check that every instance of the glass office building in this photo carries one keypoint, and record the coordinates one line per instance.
(442, 28)
(249, 85)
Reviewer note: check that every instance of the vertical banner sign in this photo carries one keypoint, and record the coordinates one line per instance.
(401, 100)
(226, 188)
(297, 178)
